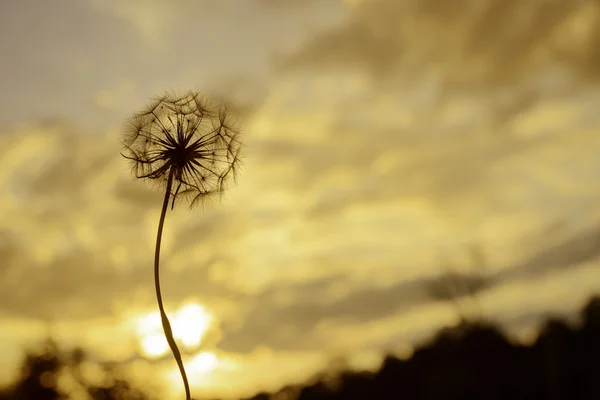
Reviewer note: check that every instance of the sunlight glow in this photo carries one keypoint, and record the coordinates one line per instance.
(203, 363)
(200, 370)
(190, 324)
(154, 345)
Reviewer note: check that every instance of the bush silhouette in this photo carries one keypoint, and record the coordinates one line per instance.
(40, 371)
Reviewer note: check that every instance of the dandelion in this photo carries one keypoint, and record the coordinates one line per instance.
(189, 147)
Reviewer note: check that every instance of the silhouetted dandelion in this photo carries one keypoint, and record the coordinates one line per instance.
(189, 147)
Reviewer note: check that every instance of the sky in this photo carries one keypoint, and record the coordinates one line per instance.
(386, 144)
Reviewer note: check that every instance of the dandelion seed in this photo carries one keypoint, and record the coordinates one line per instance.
(192, 149)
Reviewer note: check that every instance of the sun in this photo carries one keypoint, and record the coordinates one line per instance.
(189, 323)
(200, 368)
(203, 363)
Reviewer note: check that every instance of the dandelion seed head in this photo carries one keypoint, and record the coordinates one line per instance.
(187, 137)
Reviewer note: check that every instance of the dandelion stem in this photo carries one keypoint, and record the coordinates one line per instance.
(163, 316)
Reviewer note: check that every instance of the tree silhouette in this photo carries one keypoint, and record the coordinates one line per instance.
(462, 288)
(476, 361)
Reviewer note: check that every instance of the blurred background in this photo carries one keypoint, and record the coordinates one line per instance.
(401, 158)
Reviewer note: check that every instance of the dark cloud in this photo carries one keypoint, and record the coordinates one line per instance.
(100, 257)
(287, 4)
(290, 327)
(471, 43)
(66, 42)
(575, 248)
(203, 227)
(447, 170)
(66, 173)
(137, 194)
(74, 286)
(80, 285)
(10, 256)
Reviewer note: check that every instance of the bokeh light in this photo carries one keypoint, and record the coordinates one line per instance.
(189, 323)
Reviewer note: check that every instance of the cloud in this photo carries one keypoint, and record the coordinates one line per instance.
(153, 19)
(285, 317)
(78, 230)
(447, 155)
(468, 44)
(117, 97)
(92, 61)
(580, 247)
(224, 28)
(293, 4)
(362, 193)
(349, 213)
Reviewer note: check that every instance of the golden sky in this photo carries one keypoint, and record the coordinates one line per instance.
(383, 140)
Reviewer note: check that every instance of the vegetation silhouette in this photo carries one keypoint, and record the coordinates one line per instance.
(476, 360)
(462, 289)
(473, 360)
(41, 371)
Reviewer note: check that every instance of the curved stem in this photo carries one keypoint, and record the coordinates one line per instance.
(163, 316)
